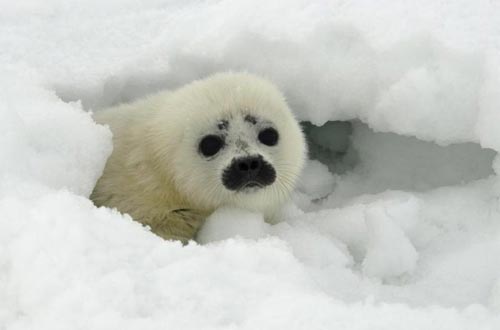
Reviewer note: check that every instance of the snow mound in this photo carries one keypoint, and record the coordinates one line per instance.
(394, 223)
(229, 222)
(389, 251)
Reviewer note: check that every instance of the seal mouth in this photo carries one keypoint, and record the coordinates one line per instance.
(251, 186)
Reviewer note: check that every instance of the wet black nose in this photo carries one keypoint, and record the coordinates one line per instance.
(249, 165)
(248, 172)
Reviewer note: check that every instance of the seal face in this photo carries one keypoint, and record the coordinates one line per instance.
(242, 135)
(240, 145)
(250, 142)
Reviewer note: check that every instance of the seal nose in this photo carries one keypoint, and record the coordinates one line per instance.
(247, 172)
(249, 166)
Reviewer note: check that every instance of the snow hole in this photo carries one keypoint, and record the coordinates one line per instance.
(348, 159)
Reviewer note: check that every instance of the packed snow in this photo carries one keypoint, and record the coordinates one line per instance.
(395, 223)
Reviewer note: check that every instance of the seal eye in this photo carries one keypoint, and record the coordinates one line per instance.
(210, 145)
(269, 136)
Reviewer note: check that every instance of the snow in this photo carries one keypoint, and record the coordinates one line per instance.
(394, 224)
(389, 252)
(226, 223)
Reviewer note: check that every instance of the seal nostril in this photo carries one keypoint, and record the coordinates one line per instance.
(254, 165)
(248, 165)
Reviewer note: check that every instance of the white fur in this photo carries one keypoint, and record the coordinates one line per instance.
(156, 166)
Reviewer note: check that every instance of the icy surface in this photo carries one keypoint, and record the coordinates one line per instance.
(406, 236)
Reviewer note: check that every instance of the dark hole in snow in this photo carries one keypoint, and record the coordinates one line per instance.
(362, 161)
(331, 144)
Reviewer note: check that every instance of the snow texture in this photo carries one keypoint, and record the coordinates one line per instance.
(395, 225)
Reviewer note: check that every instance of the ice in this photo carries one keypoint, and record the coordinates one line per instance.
(394, 224)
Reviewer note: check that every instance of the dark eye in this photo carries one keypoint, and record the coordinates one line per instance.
(269, 136)
(210, 145)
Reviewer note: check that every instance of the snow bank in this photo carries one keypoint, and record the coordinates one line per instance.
(397, 228)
